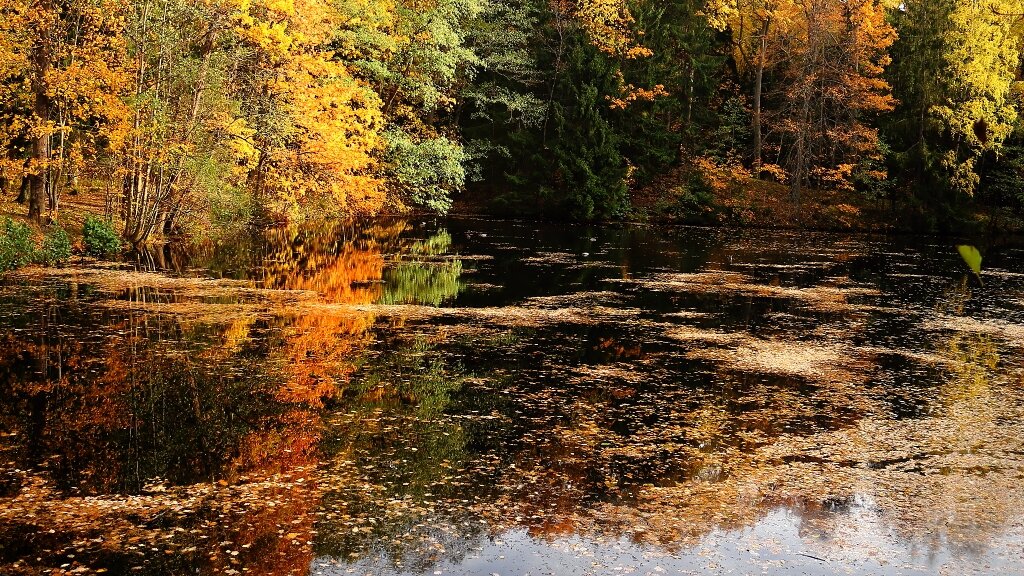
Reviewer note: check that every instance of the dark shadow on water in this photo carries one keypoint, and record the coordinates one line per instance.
(472, 396)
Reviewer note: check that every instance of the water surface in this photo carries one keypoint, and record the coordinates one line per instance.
(488, 397)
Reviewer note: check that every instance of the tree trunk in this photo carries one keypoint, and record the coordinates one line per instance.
(801, 148)
(37, 179)
(41, 110)
(758, 80)
(22, 191)
(554, 79)
(689, 100)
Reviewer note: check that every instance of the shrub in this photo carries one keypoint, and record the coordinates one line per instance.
(691, 201)
(56, 246)
(16, 246)
(100, 238)
(428, 170)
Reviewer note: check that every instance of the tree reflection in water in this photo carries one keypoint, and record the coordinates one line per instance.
(182, 438)
(303, 409)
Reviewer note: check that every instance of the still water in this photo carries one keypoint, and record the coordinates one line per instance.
(487, 397)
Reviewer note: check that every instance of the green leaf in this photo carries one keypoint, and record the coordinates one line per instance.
(971, 256)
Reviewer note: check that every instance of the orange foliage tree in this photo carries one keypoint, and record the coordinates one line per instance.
(59, 81)
(832, 85)
(825, 59)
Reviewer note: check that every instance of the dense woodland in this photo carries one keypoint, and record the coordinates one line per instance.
(185, 115)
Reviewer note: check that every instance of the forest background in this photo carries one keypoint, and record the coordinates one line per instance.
(172, 118)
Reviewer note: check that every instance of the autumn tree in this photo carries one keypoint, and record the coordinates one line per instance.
(60, 80)
(756, 29)
(187, 112)
(308, 130)
(825, 61)
(981, 58)
(832, 88)
(609, 24)
(178, 96)
(953, 74)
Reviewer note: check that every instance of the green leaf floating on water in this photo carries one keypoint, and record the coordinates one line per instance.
(972, 257)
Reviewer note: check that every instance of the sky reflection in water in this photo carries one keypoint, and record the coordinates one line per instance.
(477, 397)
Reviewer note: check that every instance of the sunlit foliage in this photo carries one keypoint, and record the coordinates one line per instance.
(981, 59)
(184, 117)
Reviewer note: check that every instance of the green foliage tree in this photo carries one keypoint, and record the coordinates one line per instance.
(428, 171)
(417, 59)
(916, 77)
(575, 164)
(506, 94)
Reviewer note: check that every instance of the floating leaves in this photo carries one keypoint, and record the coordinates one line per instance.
(765, 405)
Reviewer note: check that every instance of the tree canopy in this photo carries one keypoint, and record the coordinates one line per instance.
(178, 111)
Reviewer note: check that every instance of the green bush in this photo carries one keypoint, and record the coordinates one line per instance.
(16, 246)
(100, 238)
(691, 201)
(696, 197)
(429, 169)
(56, 246)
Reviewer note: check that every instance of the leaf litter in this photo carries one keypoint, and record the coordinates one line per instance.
(602, 423)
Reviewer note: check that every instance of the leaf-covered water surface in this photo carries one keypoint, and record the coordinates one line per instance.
(481, 397)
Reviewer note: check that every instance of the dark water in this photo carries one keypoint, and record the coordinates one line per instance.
(480, 397)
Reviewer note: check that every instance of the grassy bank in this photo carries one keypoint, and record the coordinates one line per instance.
(79, 229)
(74, 210)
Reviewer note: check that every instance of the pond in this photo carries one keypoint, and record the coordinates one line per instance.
(469, 396)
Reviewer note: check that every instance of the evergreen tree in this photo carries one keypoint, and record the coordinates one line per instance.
(688, 57)
(577, 166)
(916, 77)
(506, 94)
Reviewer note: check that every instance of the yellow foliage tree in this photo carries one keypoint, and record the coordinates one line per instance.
(609, 24)
(982, 58)
(60, 80)
(313, 128)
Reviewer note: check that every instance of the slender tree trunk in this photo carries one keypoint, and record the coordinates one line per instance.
(554, 79)
(38, 180)
(798, 172)
(689, 100)
(801, 147)
(921, 144)
(22, 191)
(53, 184)
(758, 81)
